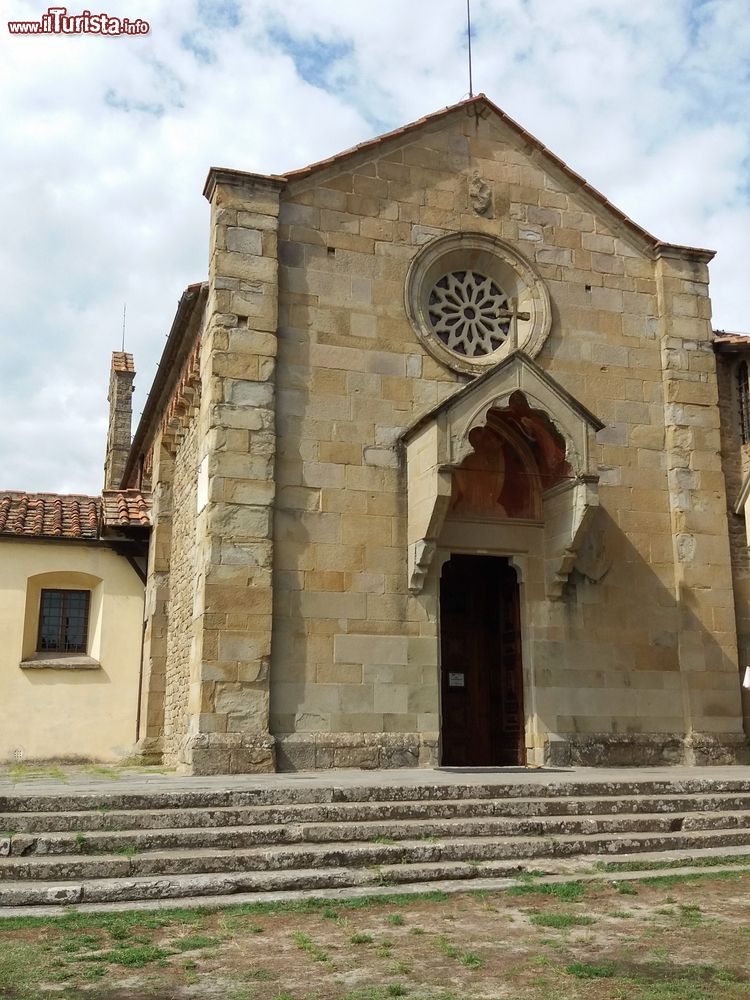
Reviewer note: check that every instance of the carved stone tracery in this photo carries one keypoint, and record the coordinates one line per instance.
(516, 457)
(472, 299)
(463, 310)
(513, 444)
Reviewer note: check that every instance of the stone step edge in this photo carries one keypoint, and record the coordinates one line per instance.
(229, 883)
(675, 854)
(467, 803)
(370, 793)
(604, 844)
(572, 872)
(304, 829)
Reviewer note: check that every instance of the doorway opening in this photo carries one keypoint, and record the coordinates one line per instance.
(481, 672)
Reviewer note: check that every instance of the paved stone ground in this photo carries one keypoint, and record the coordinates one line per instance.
(72, 779)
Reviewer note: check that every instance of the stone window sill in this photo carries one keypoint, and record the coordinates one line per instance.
(59, 661)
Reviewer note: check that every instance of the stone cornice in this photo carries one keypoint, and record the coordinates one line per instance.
(677, 252)
(241, 178)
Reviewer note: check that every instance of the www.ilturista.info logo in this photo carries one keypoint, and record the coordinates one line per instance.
(57, 21)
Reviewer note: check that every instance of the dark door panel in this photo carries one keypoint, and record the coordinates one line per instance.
(482, 688)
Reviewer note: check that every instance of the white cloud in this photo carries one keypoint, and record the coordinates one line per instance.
(105, 144)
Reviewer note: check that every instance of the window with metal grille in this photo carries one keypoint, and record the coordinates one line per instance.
(743, 397)
(63, 621)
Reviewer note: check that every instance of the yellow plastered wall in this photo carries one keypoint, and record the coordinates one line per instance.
(68, 714)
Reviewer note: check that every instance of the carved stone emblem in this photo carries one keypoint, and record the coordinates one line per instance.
(480, 195)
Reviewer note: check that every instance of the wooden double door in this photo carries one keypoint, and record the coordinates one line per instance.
(482, 680)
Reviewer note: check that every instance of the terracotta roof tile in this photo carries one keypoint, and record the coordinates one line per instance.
(738, 339)
(49, 515)
(55, 515)
(126, 509)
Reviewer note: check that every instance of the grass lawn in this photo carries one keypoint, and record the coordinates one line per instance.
(668, 938)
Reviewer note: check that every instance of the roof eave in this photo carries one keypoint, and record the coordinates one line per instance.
(8, 536)
(734, 348)
(191, 302)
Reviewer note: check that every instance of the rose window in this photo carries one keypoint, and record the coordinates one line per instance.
(473, 299)
(463, 309)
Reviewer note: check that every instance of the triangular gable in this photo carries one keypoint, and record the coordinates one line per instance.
(481, 107)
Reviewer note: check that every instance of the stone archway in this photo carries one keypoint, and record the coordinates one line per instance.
(516, 413)
(517, 456)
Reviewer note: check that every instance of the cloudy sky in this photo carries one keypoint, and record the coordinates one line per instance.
(105, 144)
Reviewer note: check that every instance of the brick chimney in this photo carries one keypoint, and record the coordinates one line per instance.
(120, 415)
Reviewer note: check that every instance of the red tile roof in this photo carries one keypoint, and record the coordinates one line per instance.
(49, 515)
(125, 509)
(55, 515)
(737, 339)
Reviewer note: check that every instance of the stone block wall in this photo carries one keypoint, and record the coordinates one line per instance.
(612, 655)
(230, 658)
(156, 610)
(182, 581)
(352, 677)
(698, 510)
(735, 459)
(120, 399)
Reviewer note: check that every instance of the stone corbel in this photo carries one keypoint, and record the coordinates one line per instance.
(569, 511)
(420, 557)
(422, 550)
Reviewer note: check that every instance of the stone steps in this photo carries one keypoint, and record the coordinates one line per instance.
(353, 855)
(186, 886)
(104, 818)
(175, 880)
(138, 841)
(175, 844)
(108, 799)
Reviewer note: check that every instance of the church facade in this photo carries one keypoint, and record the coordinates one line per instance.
(435, 461)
